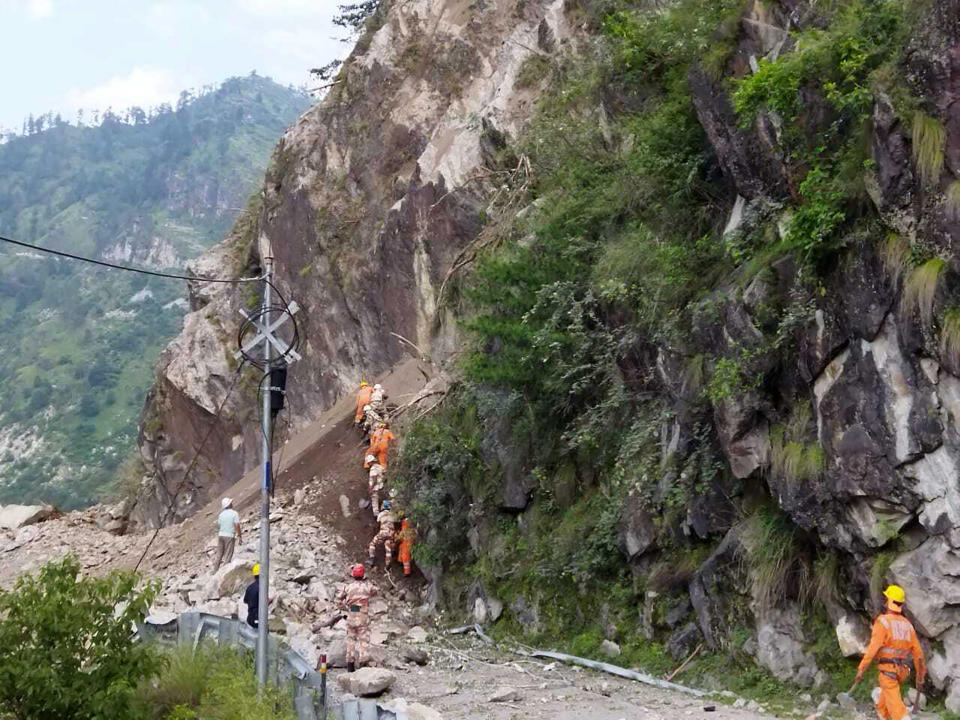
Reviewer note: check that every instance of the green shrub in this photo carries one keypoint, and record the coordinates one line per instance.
(211, 683)
(66, 646)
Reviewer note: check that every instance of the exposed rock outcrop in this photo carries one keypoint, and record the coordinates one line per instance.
(369, 199)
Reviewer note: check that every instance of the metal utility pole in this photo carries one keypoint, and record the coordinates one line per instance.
(277, 355)
(263, 621)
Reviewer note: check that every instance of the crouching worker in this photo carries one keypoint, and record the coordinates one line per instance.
(895, 647)
(354, 598)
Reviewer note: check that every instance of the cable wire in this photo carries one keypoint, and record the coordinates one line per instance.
(191, 466)
(127, 268)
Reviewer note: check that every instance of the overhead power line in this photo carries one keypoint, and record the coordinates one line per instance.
(127, 268)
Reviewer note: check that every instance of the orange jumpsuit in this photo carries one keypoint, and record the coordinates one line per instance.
(894, 643)
(363, 398)
(407, 537)
(380, 441)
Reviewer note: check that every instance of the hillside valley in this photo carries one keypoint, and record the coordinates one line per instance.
(152, 189)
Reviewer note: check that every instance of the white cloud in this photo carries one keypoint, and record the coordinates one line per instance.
(288, 8)
(143, 86)
(40, 9)
(34, 9)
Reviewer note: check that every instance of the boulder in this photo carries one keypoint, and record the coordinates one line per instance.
(14, 517)
(415, 655)
(504, 694)
(780, 646)
(610, 649)
(367, 682)
(930, 574)
(417, 634)
(853, 635)
(636, 532)
(230, 579)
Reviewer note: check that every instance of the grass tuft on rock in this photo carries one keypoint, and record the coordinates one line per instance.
(793, 459)
(895, 255)
(772, 549)
(921, 287)
(950, 335)
(929, 139)
(953, 199)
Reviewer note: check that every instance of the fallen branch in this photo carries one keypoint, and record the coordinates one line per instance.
(686, 662)
(619, 671)
(416, 401)
(472, 628)
(402, 339)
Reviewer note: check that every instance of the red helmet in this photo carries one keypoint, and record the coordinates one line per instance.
(357, 571)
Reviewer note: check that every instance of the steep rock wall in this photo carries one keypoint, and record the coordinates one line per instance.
(367, 202)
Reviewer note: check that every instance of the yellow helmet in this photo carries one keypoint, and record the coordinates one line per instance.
(363, 382)
(895, 593)
(256, 569)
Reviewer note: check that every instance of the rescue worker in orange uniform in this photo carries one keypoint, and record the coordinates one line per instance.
(363, 398)
(354, 598)
(380, 441)
(407, 538)
(895, 647)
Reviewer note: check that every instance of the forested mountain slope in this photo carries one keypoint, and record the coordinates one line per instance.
(79, 343)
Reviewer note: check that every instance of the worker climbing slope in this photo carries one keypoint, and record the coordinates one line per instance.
(407, 538)
(380, 441)
(378, 399)
(363, 398)
(387, 520)
(354, 598)
(375, 483)
(895, 647)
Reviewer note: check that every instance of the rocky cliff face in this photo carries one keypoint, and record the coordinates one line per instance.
(369, 199)
(851, 424)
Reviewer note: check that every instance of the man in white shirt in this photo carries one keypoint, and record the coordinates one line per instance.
(229, 533)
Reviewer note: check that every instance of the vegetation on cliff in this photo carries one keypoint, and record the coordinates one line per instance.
(154, 189)
(590, 319)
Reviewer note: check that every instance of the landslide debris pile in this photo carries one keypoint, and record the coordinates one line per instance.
(309, 563)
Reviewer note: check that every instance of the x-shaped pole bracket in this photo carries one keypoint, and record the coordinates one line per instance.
(265, 334)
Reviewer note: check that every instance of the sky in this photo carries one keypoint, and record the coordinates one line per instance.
(64, 55)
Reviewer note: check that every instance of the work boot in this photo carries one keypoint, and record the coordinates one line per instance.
(371, 561)
(351, 667)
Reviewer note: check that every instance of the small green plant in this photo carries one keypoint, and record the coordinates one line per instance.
(532, 71)
(826, 576)
(895, 256)
(929, 140)
(879, 570)
(921, 287)
(792, 457)
(950, 335)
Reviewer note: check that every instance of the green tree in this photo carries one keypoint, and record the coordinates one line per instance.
(67, 648)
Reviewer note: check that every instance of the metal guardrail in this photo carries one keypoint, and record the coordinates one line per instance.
(283, 664)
